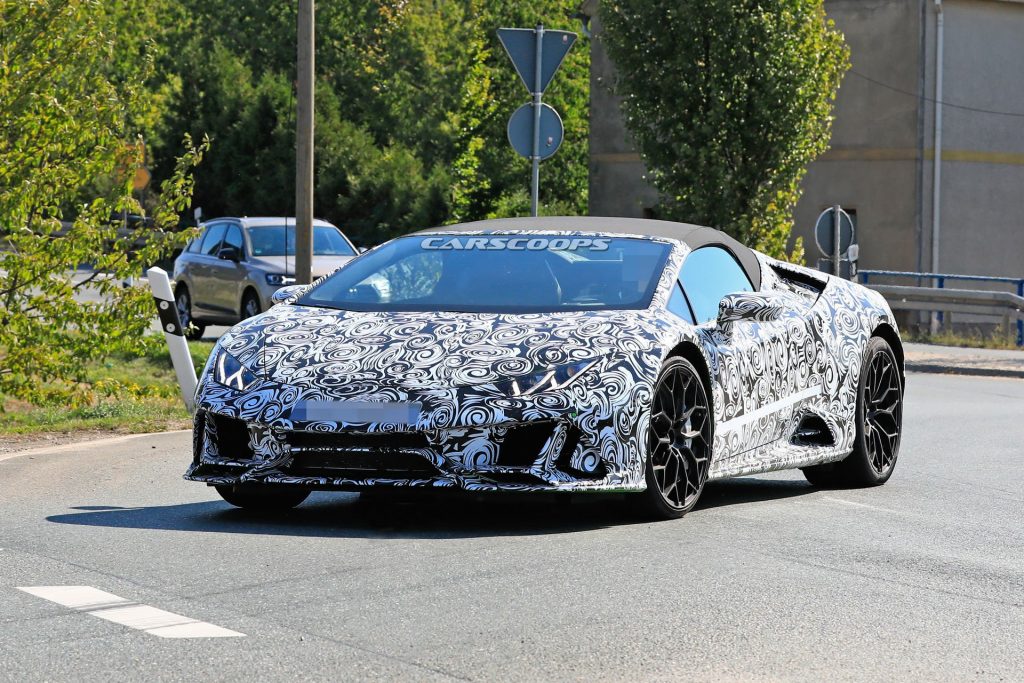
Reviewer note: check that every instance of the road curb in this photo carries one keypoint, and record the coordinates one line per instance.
(65, 447)
(940, 369)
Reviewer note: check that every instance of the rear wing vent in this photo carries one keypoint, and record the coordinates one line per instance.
(799, 277)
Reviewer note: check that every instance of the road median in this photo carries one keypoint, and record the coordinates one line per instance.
(955, 360)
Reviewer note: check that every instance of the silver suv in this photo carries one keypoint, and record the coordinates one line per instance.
(230, 271)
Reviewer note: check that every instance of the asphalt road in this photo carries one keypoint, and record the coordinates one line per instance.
(768, 579)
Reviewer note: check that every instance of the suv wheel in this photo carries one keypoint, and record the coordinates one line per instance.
(250, 305)
(183, 302)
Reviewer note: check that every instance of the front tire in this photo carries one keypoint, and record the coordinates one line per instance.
(678, 442)
(259, 498)
(879, 425)
(250, 305)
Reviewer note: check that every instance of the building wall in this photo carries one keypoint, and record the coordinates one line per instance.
(872, 165)
(617, 185)
(982, 186)
(880, 160)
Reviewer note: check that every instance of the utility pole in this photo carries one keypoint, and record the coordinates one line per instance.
(937, 161)
(304, 147)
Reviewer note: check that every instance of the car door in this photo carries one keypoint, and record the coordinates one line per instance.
(226, 276)
(203, 283)
(750, 358)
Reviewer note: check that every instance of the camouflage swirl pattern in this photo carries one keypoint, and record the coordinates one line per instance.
(790, 350)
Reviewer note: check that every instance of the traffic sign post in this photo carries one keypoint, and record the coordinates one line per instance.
(521, 126)
(535, 129)
(834, 234)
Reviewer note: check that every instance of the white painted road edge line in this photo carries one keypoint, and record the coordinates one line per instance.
(74, 445)
(116, 609)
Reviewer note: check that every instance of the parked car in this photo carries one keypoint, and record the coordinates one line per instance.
(553, 354)
(230, 271)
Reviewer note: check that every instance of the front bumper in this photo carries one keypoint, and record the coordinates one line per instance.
(587, 435)
(550, 453)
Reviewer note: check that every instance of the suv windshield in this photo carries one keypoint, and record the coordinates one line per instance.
(497, 274)
(270, 240)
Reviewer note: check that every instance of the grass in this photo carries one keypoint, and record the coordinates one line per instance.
(157, 408)
(972, 339)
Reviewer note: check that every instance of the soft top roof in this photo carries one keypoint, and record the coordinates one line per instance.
(694, 236)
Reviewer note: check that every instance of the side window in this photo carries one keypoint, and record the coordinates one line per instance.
(677, 304)
(233, 238)
(212, 240)
(708, 274)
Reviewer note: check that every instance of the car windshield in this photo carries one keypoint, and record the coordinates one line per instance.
(497, 274)
(273, 240)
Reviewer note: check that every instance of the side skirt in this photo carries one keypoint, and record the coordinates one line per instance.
(778, 455)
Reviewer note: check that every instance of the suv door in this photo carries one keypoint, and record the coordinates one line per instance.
(751, 360)
(203, 285)
(226, 276)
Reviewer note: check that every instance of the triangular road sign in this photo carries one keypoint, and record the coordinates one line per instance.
(521, 46)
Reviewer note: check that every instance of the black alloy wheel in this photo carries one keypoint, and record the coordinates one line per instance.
(183, 302)
(879, 425)
(679, 441)
(882, 412)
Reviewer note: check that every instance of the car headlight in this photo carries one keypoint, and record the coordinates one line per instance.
(546, 380)
(231, 373)
(280, 279)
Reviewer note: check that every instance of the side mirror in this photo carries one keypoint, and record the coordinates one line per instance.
(285, 293)
(752, 306)
(229, 254)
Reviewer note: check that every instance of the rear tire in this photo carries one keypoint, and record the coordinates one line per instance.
(678, 443)
(261, 498)
(183, 302)
(879, 425)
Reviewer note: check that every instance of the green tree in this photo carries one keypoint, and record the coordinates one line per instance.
(68, 155)
(727, 102)
(412, 101)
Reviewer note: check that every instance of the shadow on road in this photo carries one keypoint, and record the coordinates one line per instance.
(421, 516)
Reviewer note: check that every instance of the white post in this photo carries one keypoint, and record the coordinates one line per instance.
(175, 335)
(937, 161)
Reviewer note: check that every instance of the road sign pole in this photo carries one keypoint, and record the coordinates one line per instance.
(304, 148)
(837, 269)
(538, 88)
(535, 121)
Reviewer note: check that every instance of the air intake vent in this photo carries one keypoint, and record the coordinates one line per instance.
(232, 437)
(813, 431)
(523, 443)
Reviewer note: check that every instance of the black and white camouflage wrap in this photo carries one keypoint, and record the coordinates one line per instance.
(795, 352)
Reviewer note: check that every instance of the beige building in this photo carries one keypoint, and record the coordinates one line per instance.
(882, 160)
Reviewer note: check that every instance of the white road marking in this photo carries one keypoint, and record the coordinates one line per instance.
(118, 610)
(755, 415)
(860, 505)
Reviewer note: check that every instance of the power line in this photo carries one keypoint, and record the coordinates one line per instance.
(932, 100)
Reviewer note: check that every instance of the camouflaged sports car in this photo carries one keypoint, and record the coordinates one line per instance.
(555, 354)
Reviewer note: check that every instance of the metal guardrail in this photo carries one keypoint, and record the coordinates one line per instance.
(941, 299)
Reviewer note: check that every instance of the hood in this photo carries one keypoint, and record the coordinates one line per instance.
(344, 352)
(322, 265)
